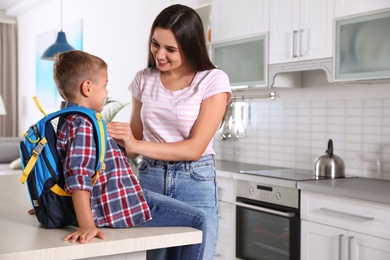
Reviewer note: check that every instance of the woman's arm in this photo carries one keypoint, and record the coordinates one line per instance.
(87, 228)
(210, 116)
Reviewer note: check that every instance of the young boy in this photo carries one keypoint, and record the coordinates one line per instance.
(116, 199)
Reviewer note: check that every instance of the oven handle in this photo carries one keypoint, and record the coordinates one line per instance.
(279, 213)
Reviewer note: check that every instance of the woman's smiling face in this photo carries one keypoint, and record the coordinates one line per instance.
(166, 50)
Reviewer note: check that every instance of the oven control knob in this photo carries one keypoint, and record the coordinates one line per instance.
(278, 195)
(251, 191)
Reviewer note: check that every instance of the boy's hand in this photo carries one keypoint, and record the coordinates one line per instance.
(87, 228)
(84, 235)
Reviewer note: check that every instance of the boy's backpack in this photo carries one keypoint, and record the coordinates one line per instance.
(42, 168)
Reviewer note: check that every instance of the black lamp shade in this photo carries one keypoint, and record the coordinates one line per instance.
(61, 45)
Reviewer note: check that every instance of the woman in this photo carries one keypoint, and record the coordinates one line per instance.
(178, 102)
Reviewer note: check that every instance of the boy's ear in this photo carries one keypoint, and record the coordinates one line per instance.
(85, 88)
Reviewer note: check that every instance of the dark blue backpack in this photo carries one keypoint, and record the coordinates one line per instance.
(42, 167)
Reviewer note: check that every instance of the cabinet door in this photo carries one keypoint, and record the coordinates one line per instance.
(322, 242)
(364, 247)
(245, 60)
(225, 248)
(362, 47)
(284, 25)
(233, 19)
(352, 7)
(193, 3)
(300, 30)
(227, 229)
(316, 29)
(226, 189)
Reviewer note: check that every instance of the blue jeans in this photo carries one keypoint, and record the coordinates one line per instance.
(191, 182)
(168, 212)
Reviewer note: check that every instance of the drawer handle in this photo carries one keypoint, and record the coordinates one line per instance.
(347, 214)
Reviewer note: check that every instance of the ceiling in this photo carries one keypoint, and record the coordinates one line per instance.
(5, 4)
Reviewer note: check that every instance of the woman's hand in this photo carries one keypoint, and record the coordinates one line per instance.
(84, 235)
(123, 135)
(121, 132)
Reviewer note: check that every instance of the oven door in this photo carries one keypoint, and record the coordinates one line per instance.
(266, 231)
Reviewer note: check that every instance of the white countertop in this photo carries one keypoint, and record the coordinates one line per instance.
(22, 237)
(375, 190)
(235, 167)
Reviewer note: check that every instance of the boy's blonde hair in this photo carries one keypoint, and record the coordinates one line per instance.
(71, 68)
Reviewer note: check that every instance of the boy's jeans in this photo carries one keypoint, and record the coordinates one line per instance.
(167, 212)
(191, 182)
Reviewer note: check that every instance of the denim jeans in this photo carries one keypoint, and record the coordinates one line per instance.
(191, 182)
(168, 212)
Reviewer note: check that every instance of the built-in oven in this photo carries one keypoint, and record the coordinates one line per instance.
(268, 213)
(267, 221)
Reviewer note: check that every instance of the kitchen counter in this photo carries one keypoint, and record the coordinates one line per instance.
(22, 237)
(235, 167)
(229, 169)
(375, 190)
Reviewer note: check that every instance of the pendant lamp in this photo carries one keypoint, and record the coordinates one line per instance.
(61, 45)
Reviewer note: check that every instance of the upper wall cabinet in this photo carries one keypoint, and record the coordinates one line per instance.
(232, 19)
(352, 7)
(362, 49)
(300, 30)
(244, 60)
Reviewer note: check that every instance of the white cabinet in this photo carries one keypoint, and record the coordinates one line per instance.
(365, 247)
(244, 60)
(362, 48)
(232, 19)
(352, 7)
(193, 3)
(343, 228)
(227, 231)
(227, 216)
(322, 242)
(300, 30)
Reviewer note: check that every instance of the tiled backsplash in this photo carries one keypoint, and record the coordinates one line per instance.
(294, 133)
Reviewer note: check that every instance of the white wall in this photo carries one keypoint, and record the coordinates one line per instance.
(116, 31)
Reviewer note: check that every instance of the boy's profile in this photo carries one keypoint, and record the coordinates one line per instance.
(116, 199)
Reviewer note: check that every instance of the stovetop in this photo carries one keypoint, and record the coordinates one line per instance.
(288, 174)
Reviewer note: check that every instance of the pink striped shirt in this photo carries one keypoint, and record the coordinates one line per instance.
(168, 116)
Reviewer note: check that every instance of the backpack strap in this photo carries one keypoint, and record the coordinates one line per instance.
(100, 132)
(33, 159)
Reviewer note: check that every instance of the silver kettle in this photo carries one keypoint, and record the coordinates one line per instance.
(329, 166)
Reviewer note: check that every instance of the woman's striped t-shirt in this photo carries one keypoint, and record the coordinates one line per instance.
(168, 116)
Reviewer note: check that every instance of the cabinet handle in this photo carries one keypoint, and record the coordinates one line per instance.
(340, 245)
(347, 214)
(266, 210)
(295, 44)
(349, 246)
(301, 47)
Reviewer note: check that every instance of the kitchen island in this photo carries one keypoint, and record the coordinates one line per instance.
(22, 237)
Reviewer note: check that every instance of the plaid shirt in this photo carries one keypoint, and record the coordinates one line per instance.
(116, 198)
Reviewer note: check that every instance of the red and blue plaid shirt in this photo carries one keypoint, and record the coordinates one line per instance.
(116, 198)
